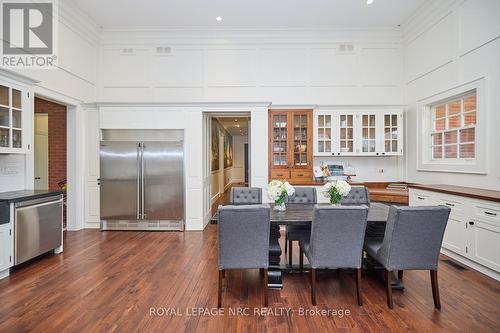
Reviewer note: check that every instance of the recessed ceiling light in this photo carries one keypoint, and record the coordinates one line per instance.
(369, 2)
(219, 19)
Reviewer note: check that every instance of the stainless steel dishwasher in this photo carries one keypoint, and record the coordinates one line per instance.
(37, 227)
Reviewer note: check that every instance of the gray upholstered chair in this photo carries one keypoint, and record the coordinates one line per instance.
(412, 240)
(245, 195)
(359, 195)
(243, 235)
(336, 241)
(294, 233)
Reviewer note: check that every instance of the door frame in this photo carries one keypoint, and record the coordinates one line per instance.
(75, 166)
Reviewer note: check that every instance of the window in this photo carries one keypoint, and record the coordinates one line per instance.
(453, 128)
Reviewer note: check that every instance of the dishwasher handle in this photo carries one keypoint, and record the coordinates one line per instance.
(38, 202)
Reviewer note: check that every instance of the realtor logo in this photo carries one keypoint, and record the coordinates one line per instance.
(29, 34)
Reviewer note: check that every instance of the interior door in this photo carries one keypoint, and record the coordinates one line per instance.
(41, 151)
(163, 174)
(119, 190)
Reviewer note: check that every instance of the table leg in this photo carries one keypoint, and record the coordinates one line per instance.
(274, 271)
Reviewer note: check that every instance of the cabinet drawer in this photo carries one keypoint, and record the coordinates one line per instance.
(488, 213)
(421, 199)
(280, 174)
(301, 175)
(456, 206)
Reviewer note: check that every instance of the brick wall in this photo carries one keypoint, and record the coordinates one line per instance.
(57, 139)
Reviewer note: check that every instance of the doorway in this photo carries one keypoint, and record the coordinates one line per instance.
(227, 159)
(50, 147)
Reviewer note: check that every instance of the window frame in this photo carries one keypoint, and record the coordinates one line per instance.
(425, 128)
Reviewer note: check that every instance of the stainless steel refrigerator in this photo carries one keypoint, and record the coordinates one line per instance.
(142, 179)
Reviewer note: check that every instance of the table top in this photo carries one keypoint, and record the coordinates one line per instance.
(25, 195)
(303, 214)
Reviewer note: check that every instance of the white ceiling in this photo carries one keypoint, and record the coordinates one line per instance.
(235, 125)
(250, 13)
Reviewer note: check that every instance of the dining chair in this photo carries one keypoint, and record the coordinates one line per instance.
(245, 195)
(359, 195)
(302, 195)
(336, 241)
(243, 237)
(412, 241)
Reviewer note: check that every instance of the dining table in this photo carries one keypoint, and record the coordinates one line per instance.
(302, 214)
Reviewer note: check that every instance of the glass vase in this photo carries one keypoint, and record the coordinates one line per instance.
(279, 207)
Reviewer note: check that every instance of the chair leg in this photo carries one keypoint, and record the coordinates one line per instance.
(358, 286)
(313, 286)
(290, 253)
(435, 289)
(301, 260)
(266, 299)
(388, 288)
(219, 292)
(400, 275)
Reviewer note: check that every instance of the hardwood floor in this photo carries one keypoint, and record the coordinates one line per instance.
(113, 281)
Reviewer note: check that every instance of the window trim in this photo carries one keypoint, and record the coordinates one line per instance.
(425, 162)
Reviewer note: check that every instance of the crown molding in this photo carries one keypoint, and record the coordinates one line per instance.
(200, 35)
(78, 21)
(428, 14)
(17, 76)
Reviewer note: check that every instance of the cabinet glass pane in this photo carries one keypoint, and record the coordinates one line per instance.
(4, 117)
(394, 120)
(321, 133)
(321, 147)
(16, 119)
(387, 120)
(394, 146)
(4, 137)
(328, 133)
(16, 99)
(321, 121)
(16, 139)
(4, 95)
(328, 146)
(296, 121)
(328, 121)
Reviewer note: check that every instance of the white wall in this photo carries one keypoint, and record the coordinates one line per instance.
(448, 44)
(74, 80)
(238, 174)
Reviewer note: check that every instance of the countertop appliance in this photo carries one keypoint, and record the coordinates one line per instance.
(142, 179)
(38, 221)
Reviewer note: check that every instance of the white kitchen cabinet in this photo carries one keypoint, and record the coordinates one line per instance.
(14, 117)
(358, 133)
(472, 235)
(6, 249)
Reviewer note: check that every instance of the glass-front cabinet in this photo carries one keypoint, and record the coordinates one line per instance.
(358, 133)
(290, 148)
(13, 101)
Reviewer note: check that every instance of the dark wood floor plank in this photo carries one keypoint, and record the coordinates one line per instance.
(108, 281)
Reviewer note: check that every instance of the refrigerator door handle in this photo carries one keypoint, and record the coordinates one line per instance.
(139, 176)
(143, 215)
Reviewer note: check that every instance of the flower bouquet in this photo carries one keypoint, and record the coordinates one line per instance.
(278, 191)
(335, 191)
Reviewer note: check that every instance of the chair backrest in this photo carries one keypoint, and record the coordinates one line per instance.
(337, 236)
(359, 195)
(245, 196)
(243, 234)
(303, 195)
(413, 237)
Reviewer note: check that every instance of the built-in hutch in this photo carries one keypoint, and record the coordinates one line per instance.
(358, 133)
(290, 145)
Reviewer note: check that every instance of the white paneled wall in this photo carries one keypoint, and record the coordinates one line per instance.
(459, 45)
(162, 66)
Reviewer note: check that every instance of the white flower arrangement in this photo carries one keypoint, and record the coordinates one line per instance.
(278, 191)
(335, 191)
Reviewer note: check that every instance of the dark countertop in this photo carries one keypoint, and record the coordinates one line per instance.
(471, 192)
(24, 195)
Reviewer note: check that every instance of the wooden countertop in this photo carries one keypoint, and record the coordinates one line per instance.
(471, 192)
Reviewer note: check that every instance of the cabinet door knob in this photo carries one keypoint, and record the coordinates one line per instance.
(471, 222)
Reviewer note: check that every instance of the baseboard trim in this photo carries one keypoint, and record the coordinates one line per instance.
(92, 225)
(471, 264)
